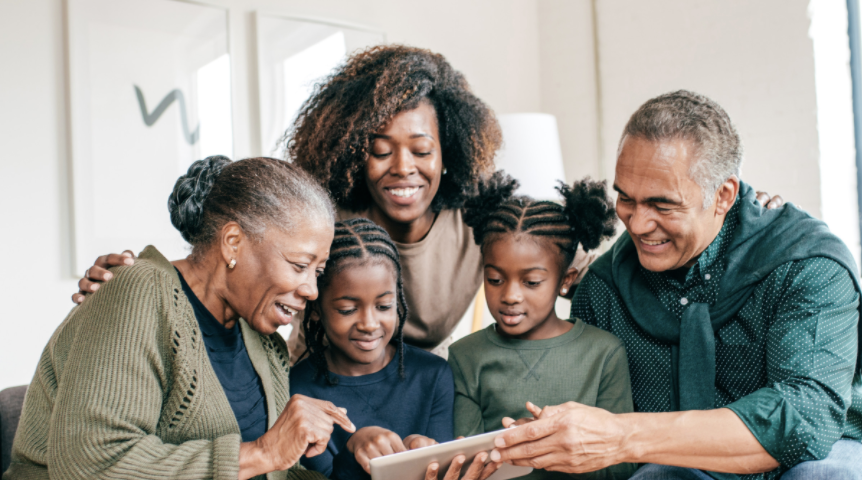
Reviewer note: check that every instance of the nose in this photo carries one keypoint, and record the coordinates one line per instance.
(512, 294)
(641, 221)
(308, 288)
(403, 163)
(368, 323)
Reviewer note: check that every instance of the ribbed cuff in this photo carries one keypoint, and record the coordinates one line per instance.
(226, 457)
(298, 474)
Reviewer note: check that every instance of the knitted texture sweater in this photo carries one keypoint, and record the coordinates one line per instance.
(125, 389)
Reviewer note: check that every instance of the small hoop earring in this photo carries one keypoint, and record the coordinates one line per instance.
(232, 263)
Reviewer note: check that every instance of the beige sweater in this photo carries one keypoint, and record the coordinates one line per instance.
(125, 389)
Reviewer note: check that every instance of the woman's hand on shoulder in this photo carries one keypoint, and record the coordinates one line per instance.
(98, 274)
(303, 428)
(373, 442)
(769, 202)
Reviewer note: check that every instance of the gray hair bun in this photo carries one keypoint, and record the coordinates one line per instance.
(186, 202)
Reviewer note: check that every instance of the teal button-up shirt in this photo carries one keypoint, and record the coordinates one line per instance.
(784, 362)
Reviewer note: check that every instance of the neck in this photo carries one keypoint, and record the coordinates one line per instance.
(715, 231)
(206, 278)
(340, 364)
(410, 232)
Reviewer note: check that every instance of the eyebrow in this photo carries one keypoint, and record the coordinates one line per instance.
(387, 137)
(356, 299)
(522, 271)
(657, 199)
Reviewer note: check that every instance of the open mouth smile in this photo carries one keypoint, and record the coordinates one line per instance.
(286, 313)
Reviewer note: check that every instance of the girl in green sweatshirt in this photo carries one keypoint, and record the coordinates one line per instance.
(530, 354)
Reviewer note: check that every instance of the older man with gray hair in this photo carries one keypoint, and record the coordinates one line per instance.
(740, 323)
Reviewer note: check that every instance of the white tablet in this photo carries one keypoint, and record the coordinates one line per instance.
(411, 465)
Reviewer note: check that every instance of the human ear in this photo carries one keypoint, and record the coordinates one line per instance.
(726, 195)
(230, 242)
(567, 282)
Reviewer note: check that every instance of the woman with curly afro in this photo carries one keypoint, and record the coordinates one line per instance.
(396, 136)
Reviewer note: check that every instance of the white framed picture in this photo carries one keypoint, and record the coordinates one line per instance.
(293, 54)
(149, 92)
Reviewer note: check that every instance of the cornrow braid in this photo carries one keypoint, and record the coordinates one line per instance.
(586, 216)
(355, 239)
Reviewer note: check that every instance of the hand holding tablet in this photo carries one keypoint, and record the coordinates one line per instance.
(451, 458)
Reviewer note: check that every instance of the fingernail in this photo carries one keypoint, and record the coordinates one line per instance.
(499, 442)
(128, 261)
(94, 287)
(343, 410)
(109, 276)
(482, 457)
(495, 456)
(433, 467)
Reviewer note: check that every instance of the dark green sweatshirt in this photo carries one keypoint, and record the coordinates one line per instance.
(496, 376)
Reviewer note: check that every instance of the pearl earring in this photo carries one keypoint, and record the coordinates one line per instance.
(564, 290)
(232, 263)
(445, 170)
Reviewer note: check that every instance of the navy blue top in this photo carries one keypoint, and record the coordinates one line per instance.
(233, 367)
(421, 403)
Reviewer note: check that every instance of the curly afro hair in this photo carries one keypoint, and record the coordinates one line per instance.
(331, 138)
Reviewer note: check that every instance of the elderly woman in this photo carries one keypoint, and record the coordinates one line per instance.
(174, 369)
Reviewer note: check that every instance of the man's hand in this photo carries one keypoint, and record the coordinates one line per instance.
(571, 438)
(412, 442)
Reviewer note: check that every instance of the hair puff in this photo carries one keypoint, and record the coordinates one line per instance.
(590, 211)
(493, 192)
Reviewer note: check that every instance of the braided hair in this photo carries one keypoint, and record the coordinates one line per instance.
(356, 240)
(586, 216)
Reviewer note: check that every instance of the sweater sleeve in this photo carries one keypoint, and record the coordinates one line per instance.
(468, 418)
(109, 401)
(615, 388)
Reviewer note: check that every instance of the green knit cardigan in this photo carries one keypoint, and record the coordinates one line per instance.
(125, 389)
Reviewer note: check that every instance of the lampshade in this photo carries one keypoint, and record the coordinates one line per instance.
(531, 153)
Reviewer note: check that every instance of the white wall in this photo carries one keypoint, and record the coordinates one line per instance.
(755, 58)
(494, 42)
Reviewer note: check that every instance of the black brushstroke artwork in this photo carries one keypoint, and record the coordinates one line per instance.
(151, 118)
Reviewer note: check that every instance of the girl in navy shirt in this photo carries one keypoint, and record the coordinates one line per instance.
(399, 397)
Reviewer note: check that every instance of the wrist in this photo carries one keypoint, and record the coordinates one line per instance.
(253, 460)
(631, 448)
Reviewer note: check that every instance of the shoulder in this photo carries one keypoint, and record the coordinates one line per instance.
(820, 276)
(600, 338)
(415, 357)
(301, 377)
(474, 342)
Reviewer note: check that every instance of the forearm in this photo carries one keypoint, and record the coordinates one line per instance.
(715, 440)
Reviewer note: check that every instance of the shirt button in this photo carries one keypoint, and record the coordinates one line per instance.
(707, 276)
(683, 301)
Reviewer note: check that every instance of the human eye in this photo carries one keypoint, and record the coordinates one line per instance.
(300, 267)
(318, 272)
(385, 307)
(380, 154)
(533, 283)
(494, 281)
(345, 312)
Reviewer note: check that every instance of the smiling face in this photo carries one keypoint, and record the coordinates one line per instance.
(662, 207)
(275, 278)
(360, 315)
(522, 281)
(404, 168)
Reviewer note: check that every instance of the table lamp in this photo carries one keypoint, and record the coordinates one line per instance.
(531, 153)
